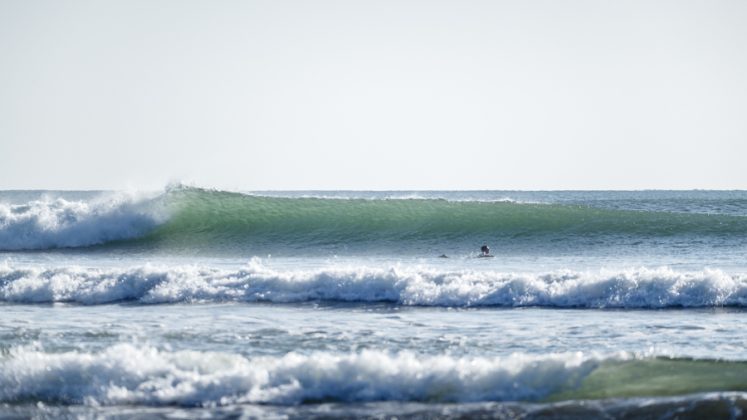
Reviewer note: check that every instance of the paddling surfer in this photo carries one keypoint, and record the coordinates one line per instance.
(485, 250)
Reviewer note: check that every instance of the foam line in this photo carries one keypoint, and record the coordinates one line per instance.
(633, 288)
(126, 374)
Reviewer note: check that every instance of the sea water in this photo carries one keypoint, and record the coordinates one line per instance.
(195, 302)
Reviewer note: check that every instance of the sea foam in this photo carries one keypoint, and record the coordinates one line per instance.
(128, 374)
(58, 223)
(632, 288)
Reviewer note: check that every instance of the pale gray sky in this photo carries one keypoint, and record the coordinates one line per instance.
(461, 94)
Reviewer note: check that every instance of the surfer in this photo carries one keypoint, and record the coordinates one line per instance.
(485, 250)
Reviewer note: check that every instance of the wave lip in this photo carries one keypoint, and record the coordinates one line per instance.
(59, 223)
(313, 219)
(642, 288)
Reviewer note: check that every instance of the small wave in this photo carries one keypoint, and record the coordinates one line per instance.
(60, 223)
(634, 288)
(125, 374)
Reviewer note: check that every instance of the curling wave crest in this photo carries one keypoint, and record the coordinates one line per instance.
(632, 288)
(60, 223)
(214, 222)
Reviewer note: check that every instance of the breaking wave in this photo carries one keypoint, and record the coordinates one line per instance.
(634, 288)
(144, 375)
(198, 219)
(60, 223)
(125, 374)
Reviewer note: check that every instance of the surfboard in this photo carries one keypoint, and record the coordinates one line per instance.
(485, 256)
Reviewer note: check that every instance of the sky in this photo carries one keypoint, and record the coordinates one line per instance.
(373, 95)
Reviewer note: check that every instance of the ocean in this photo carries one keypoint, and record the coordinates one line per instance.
(192, 302)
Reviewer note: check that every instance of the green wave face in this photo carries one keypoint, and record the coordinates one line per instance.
(658, 377)
(205, 218)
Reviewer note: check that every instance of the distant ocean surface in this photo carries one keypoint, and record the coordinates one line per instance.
(196, 302)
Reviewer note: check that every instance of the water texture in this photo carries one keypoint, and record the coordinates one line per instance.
(193, 302)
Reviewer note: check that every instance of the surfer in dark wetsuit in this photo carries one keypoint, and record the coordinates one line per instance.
(485, 250)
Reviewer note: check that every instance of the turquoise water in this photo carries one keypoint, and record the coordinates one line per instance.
(192, 302)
